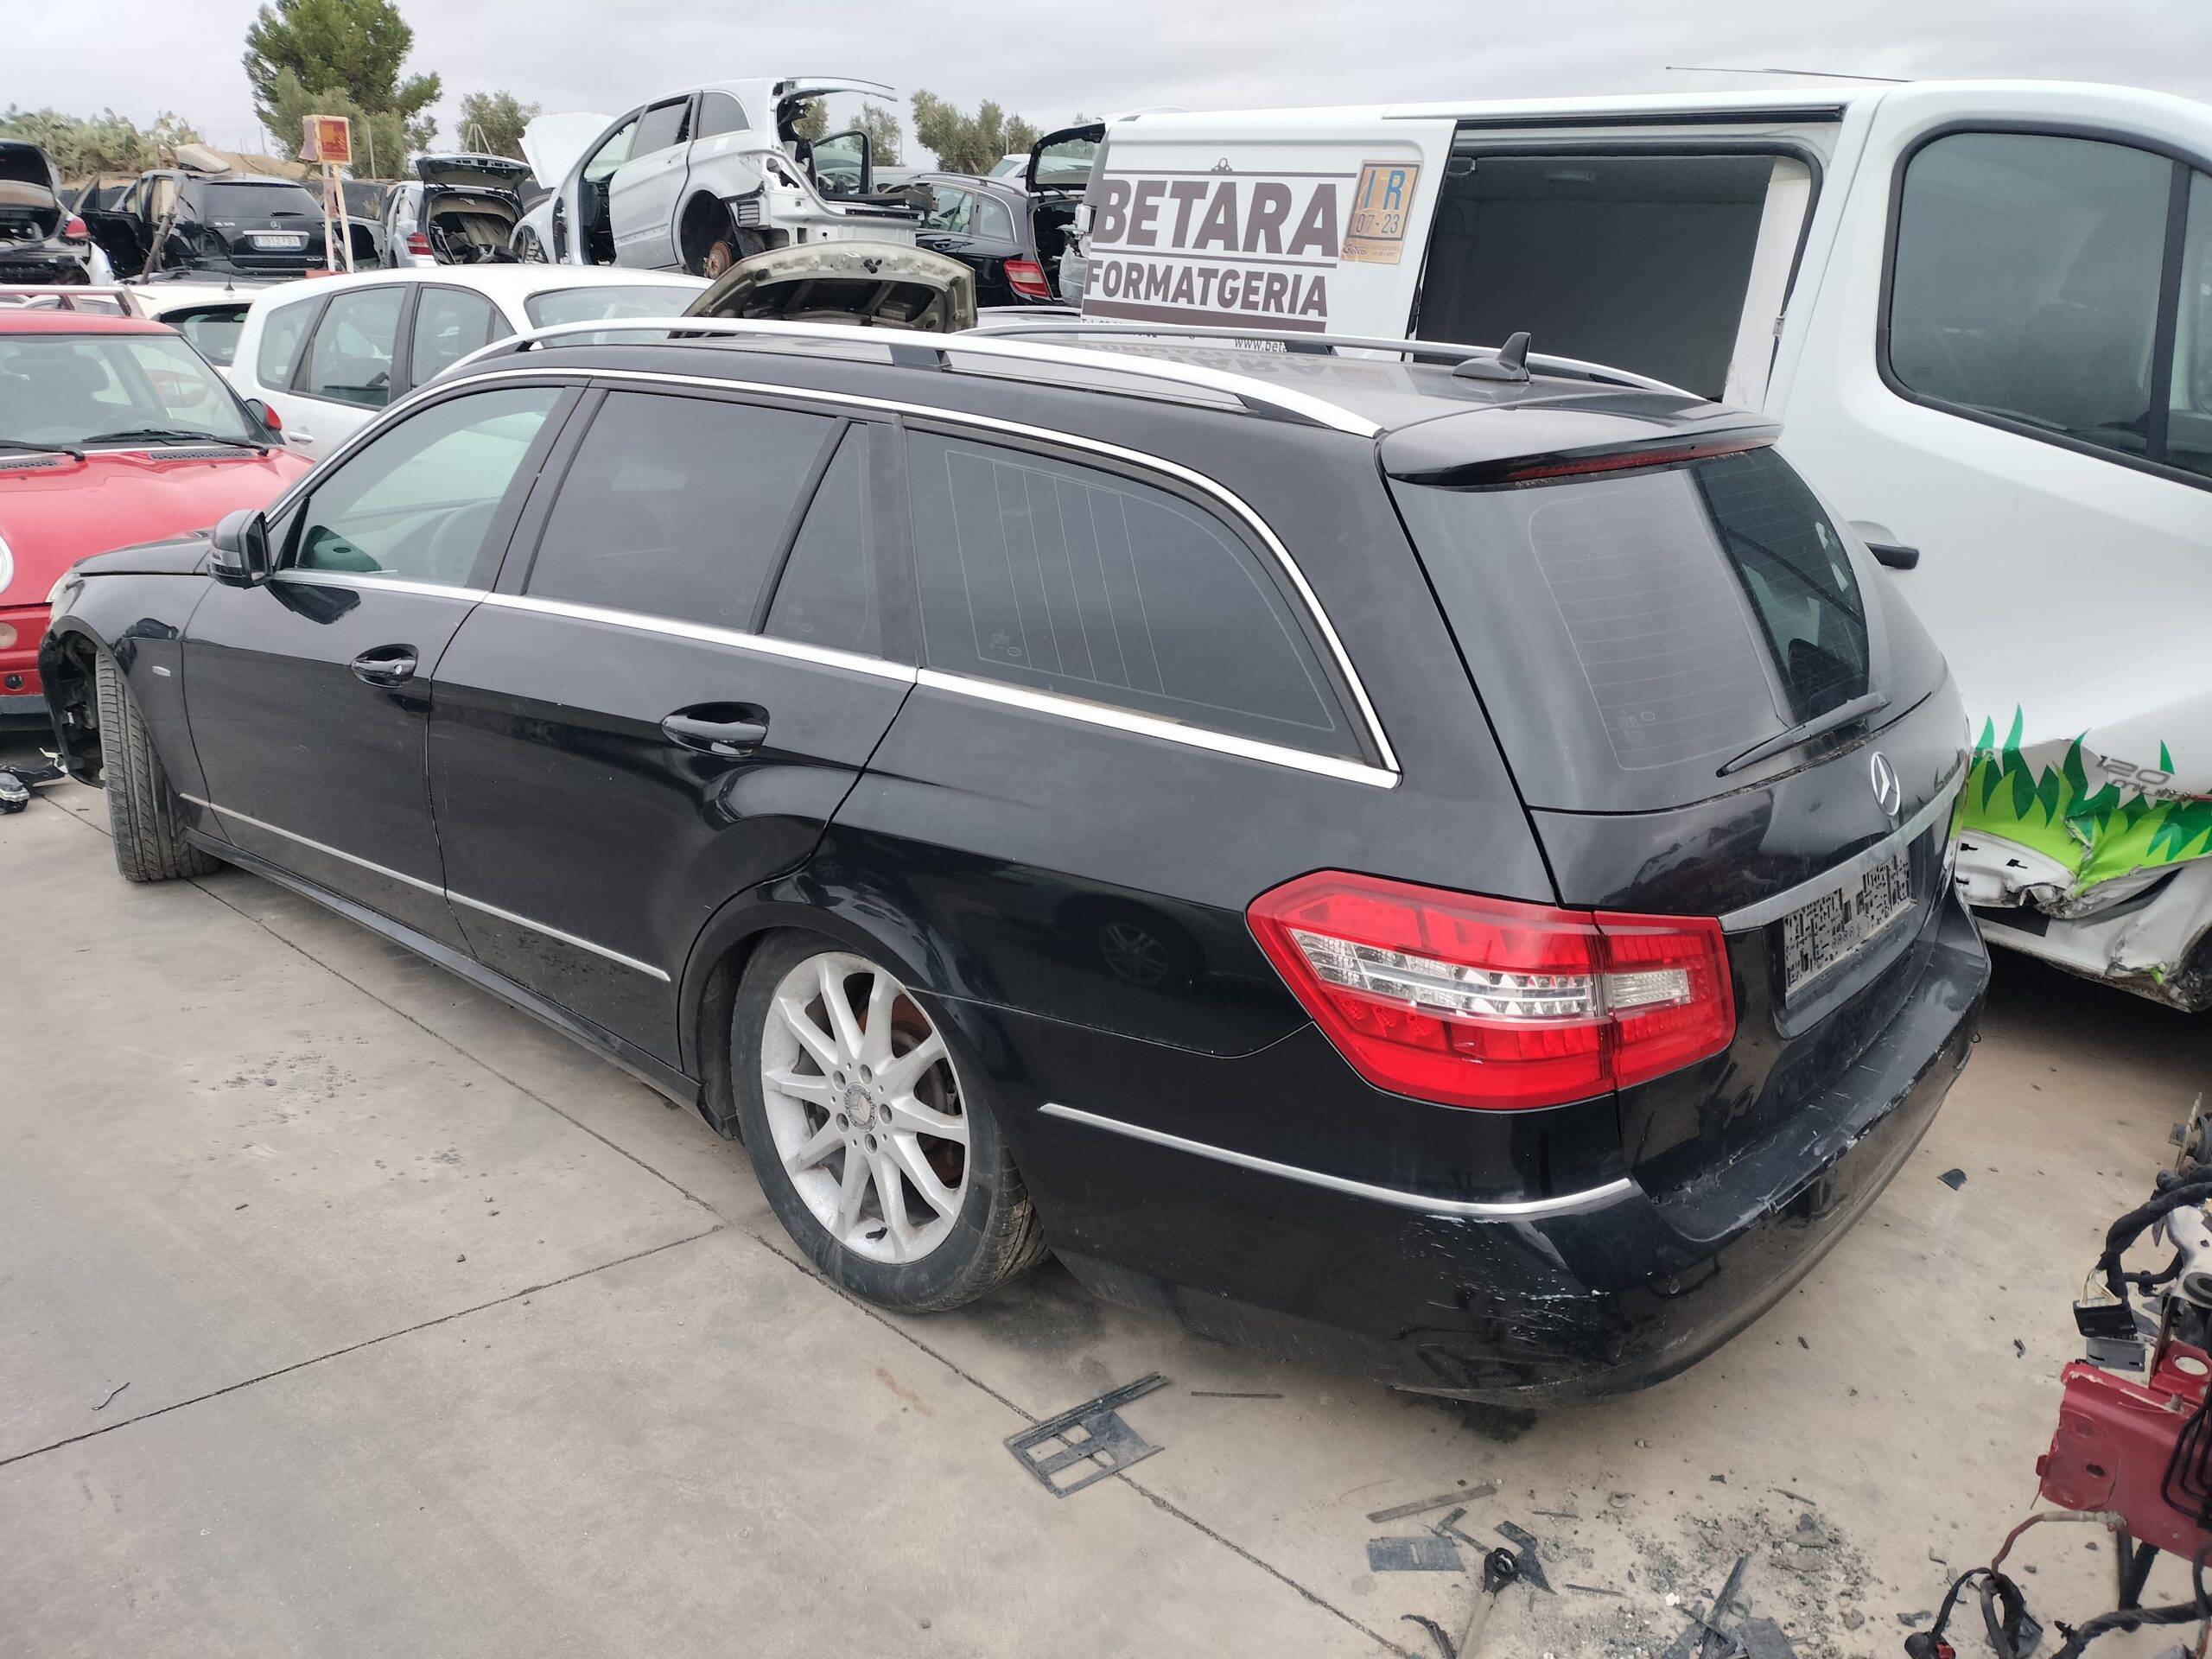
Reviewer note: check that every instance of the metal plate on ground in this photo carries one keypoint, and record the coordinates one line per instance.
(1090, 1440)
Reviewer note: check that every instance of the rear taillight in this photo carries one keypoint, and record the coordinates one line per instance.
(1027, 278)
(418, 244)
(73, 230)
(1489, 1003)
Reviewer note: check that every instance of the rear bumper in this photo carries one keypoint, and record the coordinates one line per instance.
(41, 264)
(1596, 1292)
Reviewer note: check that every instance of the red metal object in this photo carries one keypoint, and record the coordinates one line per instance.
(2114, 1440)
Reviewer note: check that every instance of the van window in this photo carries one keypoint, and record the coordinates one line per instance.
(827, 594)
(677, 507)
(1655, 263)
(2189, 411)
(415, 501)
(449, 323)
(660, 128)
(281, 334)
(719, 113)
(1073, 580)
(2026, 282)
(350, 361)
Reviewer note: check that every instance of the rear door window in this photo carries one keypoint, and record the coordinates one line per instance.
(660, 128)
(282, 334)
(449, 323)
(677, 507)
(719, 113)
(1633, 633)
(2188, 406)
(1069, 579)
(1674, 266)
(350, 357)
(826, 596)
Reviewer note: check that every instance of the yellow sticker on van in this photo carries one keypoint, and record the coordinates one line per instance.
(1382, 203)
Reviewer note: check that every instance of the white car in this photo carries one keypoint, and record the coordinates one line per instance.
(699, 179)
(323, 356)
(1982, 309)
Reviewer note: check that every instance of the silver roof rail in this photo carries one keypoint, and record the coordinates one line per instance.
(934, 351)
(1296, 341)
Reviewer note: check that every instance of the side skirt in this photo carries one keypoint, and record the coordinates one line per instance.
(655, 1074)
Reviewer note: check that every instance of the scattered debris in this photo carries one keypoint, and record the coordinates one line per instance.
(1227, 1394)
(1762, 1638)
(1954, 1179)
(1525, 1560)
(1499, 1570)
(1447, 1523)
(2020, 1349)
(1092, 1433)
(1441, 1501)
(1557, 1515)
(1796, 1497)
(1425, 1553)
(1443, 1642)
(103, 1404)
(1596, 1590)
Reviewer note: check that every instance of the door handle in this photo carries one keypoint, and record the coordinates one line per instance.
(385, 665)
(729, 730)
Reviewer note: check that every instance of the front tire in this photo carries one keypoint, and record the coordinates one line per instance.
(872, 1143)
(142, 811)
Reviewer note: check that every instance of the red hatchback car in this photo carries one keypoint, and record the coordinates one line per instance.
(113, 431)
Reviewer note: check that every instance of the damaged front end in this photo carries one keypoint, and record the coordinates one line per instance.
(2094, 851)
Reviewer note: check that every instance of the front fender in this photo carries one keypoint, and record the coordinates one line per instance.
(139, 621)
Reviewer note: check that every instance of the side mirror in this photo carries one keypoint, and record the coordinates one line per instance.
(239, 557)
(271, 422)
(1893, 555)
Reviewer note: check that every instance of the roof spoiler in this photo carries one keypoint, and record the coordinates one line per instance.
(1463, 451)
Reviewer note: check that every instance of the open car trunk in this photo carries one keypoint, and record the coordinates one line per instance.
(29, 209)
(881, 285)
(1060, 170)
(471, 205)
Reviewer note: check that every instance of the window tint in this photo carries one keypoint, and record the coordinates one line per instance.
(2189, 414)
(350, 359)
(660, 128)
(1644, 262)
(281, 334)
(719, 112)
(415, 501)
(1073, 580)
(677, 507)
(2026, 282)
(993, 222)
(827, 595)
(449, 323)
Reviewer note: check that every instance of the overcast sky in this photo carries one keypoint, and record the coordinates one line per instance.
(141, 56)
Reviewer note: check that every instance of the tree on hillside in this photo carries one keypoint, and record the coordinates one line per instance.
(351, 49)
(813, 121)
(381, 138)
(492, 123)
(969, 144)
(107, 142)
(881, 126)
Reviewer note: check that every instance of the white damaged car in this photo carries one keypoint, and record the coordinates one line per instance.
(699, 180)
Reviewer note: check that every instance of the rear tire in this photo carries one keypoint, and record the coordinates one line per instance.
(142, 811)
(897, 1100)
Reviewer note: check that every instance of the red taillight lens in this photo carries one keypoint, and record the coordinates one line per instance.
(1027, 278)
(1489, 1003)
(73, 230)
(418, 243)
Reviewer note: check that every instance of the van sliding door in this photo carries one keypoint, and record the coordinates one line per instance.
(1672, 263)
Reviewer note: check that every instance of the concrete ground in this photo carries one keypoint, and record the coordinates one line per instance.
(347, 1312)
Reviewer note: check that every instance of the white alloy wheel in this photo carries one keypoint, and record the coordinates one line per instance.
(864, 1108)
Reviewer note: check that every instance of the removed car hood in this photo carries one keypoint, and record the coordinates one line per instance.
(871, 284)
(471, 172)
(554, 144)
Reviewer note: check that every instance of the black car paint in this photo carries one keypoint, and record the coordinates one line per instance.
(209, 234)
(989, 856)
(986, 255)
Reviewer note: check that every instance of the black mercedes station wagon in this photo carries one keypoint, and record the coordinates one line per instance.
(1437, 862)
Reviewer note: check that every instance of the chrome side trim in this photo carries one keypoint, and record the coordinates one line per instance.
(1197, 737)
(1480, 1209)
(645, 968)
(1774, 907)
(766, 644)
(1247, 389)
(384, 870)
(417, 883)
(370, 579)
(1228, 498)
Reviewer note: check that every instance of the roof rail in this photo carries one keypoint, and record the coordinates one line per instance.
(918, 350)
(1295, 341)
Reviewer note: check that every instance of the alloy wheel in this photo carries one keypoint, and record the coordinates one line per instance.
(864, 1108)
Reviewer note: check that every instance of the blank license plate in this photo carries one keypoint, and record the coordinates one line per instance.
(280, 241)
(1837, 925)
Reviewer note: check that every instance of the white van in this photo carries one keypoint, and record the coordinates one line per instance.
(1983, 310)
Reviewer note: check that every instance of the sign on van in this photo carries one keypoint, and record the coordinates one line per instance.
(1257, 248)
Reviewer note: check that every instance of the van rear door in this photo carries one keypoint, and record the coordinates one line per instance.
(1668, 248)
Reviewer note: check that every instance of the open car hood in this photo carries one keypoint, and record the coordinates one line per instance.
(1062, 160)
(554, 144)
(466, 172)
(870, 284)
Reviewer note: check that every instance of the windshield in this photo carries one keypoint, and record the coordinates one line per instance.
(80, 389)
(223, 203)
(1632, 633)
(600, 304)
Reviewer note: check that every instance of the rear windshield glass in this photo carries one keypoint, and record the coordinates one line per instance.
(1632, 633)
(605, 302)
(240, 202)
